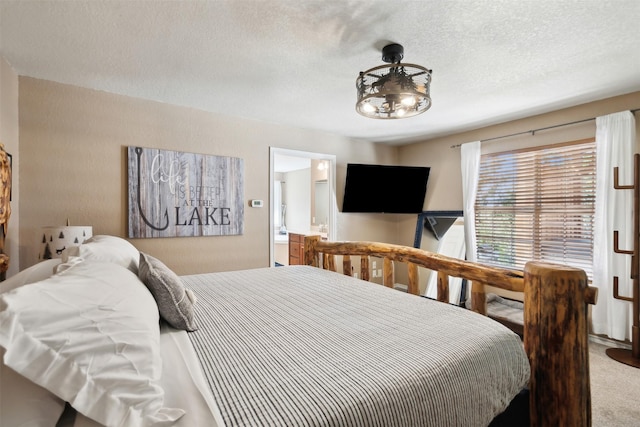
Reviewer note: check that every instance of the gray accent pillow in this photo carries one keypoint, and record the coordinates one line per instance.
(175, 302)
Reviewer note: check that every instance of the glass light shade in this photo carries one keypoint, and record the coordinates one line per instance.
(409, 101)
(393, 91)
(54, 240)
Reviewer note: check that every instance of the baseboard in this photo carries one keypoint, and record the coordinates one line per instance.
(598, 339)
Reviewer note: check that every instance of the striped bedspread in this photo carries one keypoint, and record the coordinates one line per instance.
(300, 346)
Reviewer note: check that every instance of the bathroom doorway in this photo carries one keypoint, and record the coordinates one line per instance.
(302, 198)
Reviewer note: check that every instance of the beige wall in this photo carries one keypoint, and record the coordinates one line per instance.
(73, 165)
(9, 135)
(73, 150)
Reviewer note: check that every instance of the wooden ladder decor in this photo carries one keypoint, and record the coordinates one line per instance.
(630, 357)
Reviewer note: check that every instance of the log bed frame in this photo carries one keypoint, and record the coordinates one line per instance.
(556, 299)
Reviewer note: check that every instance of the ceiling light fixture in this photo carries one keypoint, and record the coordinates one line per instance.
(393, 91)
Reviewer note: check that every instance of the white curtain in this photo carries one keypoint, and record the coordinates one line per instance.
(470, 164)
(615, 143)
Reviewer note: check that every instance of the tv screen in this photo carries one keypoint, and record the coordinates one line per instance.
(385, 189)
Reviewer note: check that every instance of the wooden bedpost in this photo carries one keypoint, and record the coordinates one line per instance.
(556, 340)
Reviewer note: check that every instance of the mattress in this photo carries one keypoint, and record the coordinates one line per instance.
(301, 346)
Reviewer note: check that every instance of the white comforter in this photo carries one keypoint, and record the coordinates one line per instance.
(182, 381)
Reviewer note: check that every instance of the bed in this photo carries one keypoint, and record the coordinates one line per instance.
(298, 345)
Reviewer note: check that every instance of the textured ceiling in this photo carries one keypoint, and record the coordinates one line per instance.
(295, 62)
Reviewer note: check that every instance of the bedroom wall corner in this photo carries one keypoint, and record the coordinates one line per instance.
(9, 136)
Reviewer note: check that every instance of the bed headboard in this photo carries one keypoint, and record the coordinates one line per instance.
(556, 299)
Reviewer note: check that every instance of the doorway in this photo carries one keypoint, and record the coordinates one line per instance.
(310, 194)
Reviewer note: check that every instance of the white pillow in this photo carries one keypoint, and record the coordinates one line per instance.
(23, 403)
(35, 273)
(90, 335)
(106, 249)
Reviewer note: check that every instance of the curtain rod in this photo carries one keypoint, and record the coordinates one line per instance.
(533, 131)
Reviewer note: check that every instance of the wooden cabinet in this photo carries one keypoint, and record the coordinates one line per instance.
(296, 249)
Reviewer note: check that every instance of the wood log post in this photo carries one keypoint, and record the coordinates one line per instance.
(556, 341)
(329, 262)
(478, 298)
(311, 256)
(412, 270)
(443, 287)
(388, 274)
(346, 265)
(364, 267)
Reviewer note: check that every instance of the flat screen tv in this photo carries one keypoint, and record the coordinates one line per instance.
(385, 189)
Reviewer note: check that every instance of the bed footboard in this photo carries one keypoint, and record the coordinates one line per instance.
(555, 316)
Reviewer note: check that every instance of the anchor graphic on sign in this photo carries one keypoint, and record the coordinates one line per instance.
(144, 217)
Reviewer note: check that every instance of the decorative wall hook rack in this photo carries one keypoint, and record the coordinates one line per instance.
(623, 355)
(5, 207)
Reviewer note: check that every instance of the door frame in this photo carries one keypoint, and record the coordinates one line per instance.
(333, 205)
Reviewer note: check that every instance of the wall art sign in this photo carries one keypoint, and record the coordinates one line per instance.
(177, 194)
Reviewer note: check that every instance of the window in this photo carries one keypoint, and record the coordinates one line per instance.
(537, 204)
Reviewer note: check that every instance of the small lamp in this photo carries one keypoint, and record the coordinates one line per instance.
(55, 239)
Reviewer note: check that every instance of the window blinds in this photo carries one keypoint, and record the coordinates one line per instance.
(537, 204)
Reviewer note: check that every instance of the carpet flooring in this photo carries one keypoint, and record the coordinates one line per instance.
(615, 394)
(615, 390)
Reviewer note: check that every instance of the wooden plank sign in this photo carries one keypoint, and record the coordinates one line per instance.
(177, 194)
